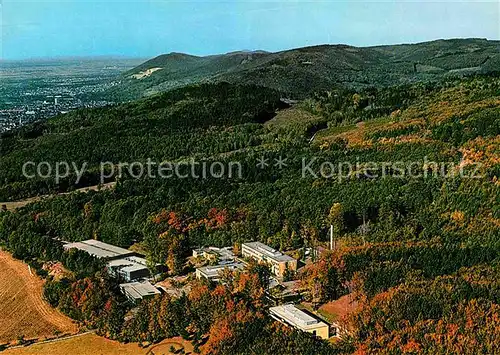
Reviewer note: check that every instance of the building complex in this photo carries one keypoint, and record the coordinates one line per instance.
(123, 264)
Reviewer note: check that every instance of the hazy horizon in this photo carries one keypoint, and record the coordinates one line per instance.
(142, 29)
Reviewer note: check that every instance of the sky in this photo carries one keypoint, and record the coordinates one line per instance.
(141, 28)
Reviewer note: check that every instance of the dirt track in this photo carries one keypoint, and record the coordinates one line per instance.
(91, 344)
(18, 204)
(22, 309)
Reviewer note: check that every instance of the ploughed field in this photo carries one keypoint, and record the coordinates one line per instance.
(91, 344)
(23, 312)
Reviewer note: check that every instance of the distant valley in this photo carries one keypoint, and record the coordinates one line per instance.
(41, 88)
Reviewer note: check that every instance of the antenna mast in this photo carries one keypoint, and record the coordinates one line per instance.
(331, 236)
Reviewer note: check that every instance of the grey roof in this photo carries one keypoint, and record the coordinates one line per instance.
(296, 317)
(214, 271)
(138, 290)
(97, 252)
(119, 263)
(225, 253)
(133, 268)
(268, 252)
(129, 264)
(98, 249)
(137, 260)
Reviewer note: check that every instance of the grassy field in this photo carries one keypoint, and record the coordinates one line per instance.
(91, 344)
(23, 312)
(290, 117)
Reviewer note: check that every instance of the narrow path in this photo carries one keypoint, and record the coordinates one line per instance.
(12, 205)
(55, 340)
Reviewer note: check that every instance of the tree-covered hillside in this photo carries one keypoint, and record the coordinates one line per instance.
(407, 174)
(199, 120)
(302, 71)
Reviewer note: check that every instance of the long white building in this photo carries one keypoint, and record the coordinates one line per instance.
(290, 315)
(99, 249)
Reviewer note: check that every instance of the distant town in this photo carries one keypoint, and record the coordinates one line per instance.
(52, 106)
(37, 90)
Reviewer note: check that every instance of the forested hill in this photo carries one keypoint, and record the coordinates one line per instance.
(302, 71)
(200, 120)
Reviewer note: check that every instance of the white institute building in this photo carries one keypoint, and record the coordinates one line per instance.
(290, 315)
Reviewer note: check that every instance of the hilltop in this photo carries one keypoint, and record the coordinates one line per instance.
(302, 71)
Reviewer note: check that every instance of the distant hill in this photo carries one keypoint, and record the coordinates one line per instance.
(302, 71)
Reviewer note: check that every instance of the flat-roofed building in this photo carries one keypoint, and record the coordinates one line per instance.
(99, 249)
(278, 261)
(214, 254)
(137, 291)
(129, 268)
(121, 263)
(213, 272)
(290, 315)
